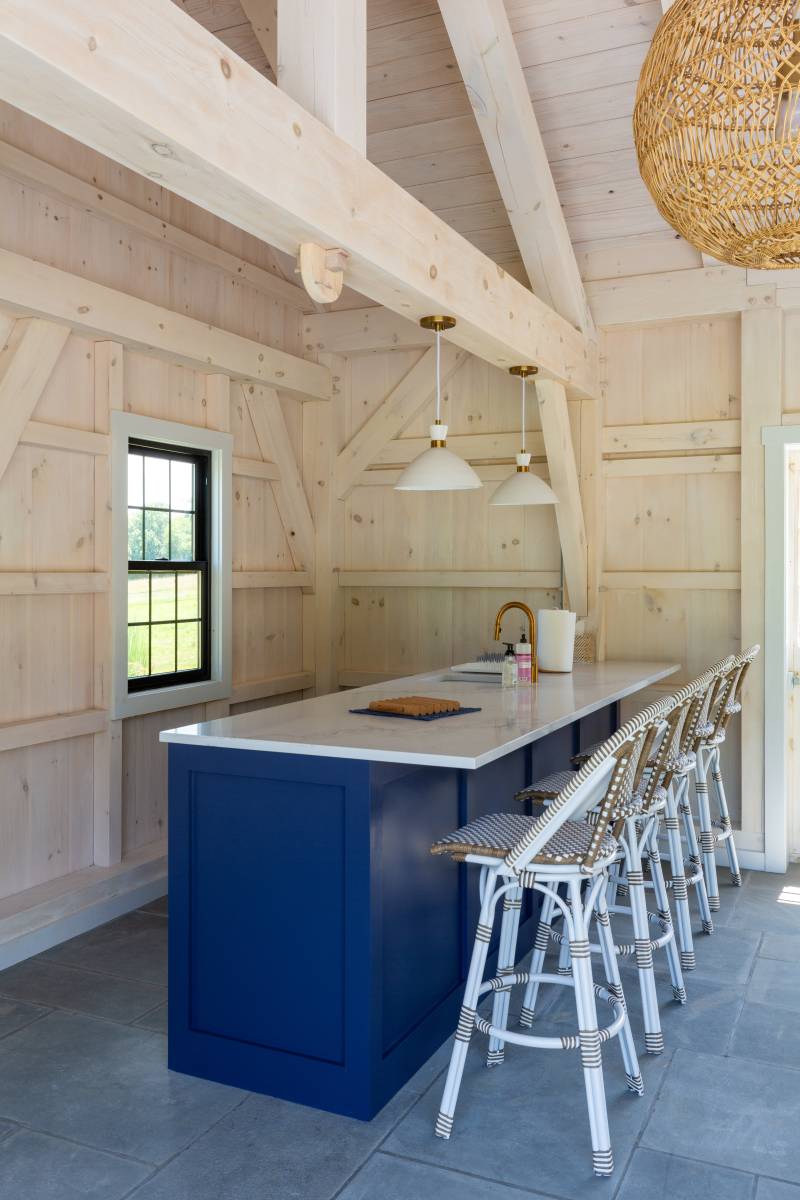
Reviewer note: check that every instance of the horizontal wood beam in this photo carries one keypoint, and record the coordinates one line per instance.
(677, 464)
(544, 580)
(487, 473)
(19, 734)
(256, 159)
(33, 288)
(676, 295)
(52, 583)
(673, 435)
(471, 446)
(717, 581)
(272, 579)
(361, 331)
(262, 689)
(254, 468)
(28, 169)
(62, 437)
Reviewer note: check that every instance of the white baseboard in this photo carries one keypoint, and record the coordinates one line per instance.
(49, 914)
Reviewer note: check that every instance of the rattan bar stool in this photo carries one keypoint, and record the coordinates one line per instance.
(637, 832)
(517, 852)
(710, 737)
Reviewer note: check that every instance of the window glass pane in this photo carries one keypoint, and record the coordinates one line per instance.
(138, 598)
(162, 643)
(189, 646)
(156, 482)
(182, 539)
(135, 543)
(135, 479)
(182, 485)
(156, 534)
(163, 593)
(138, 653)
(188, 595)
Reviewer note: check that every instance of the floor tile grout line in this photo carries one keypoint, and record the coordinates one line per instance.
(26, 1127)
(80, 1012)
(95, 971)
(27, 1024)
(421, 1162)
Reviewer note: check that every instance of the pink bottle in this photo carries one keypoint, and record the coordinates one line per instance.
(522, 653)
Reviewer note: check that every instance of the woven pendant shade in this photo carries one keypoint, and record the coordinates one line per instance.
(717, 128)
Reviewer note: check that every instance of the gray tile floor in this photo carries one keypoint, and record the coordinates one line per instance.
(88, 1108)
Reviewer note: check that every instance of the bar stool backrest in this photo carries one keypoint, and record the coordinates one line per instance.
(604, 782)
(697, 715)
(728, 700)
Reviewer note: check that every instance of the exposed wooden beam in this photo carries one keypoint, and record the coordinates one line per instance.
(720, 581)
(52, 583)
(676, 295)
(258, 160)
(565, 483)
(403, 403)
(27, 360)
(676, 436)
(272, 579)
(491, 473)
(322, 62)
(31, 287)
(264, 407)
(263, 16)
(475, 447)
(63, 437)
(20, 734)
(544, 580)
(490, 67)
(676, 464)
(254, 468)
(51, 180)
(262, 689)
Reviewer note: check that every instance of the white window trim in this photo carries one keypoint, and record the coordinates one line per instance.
(777, 441)
(125, 425)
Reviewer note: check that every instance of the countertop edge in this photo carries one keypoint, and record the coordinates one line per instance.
(313, 750)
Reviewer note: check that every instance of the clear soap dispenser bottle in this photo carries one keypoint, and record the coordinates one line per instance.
(509, 676)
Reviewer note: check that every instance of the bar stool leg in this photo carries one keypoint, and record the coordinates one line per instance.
(466, 1020)
(685, 810)
(665, 916)
(512, 904)
(707, 842)
(564, 964)
(591, 1058)
(680, 890)
(653, 1037)
(537, 960)
(725, 818)
(611, 967)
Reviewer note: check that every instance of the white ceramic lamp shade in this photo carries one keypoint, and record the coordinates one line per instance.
(438, 469)
(523, 487)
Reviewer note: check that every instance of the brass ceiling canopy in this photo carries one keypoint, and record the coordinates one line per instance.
(437, 324)
(717, 128)
(523, 371)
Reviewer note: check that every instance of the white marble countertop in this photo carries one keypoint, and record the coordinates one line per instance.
(509, 718)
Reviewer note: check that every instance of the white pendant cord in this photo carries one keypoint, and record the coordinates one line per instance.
(438, 376)
(522, 380)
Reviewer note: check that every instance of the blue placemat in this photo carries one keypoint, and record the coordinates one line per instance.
(372, 712)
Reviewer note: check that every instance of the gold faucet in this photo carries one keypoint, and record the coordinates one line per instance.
(531, 632)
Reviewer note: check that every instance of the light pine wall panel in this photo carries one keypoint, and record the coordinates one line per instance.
(658, 518)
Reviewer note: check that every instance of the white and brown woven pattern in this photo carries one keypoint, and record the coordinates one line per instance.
(493, 835)
(547, 788)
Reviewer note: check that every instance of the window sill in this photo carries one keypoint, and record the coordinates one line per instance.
(138, 704)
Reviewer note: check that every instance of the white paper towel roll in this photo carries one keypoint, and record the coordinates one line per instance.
(555, 639)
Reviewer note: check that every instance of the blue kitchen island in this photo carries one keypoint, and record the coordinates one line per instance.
(317, 951)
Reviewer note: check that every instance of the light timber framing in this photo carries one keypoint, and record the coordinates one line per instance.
(361, 331)
(29, 287)
(263, 16)
(545, 580)
(676, 295)
(256, 159)
(403, 403)
(272, 579)
(565, 483)
(483, 44)
(52, 583)
(677, 436)
(322, 62)
(20, 734)
(27, 360)
(655, 581)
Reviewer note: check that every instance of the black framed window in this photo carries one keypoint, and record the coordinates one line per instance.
(168, 566)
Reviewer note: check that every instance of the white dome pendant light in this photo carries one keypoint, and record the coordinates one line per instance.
(523, 487)
(438, 469)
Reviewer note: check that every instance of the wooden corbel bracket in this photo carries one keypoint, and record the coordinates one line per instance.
(322, 271)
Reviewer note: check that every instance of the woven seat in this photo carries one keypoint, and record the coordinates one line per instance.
(584, 755)
(494, 835)
(547, 788)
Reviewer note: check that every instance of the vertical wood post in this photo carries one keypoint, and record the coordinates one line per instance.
(107, 776)
(762, 399)
(564, 481)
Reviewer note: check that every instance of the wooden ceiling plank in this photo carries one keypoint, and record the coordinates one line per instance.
(484, 46)
(147, 86)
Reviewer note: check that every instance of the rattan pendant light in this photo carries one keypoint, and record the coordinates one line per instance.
(717, 128)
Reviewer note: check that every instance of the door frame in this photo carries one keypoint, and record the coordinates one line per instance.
(777, 441)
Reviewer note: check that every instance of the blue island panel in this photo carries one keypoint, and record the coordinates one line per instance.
(317, 949)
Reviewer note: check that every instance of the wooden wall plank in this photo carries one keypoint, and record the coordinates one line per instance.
(27, 359)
